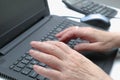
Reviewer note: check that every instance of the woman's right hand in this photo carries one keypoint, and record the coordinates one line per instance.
(99, 40)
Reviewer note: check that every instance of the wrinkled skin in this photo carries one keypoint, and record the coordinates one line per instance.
(68, 64)
(99, 40)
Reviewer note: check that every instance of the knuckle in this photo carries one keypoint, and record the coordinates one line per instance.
(89, 28)
(59, 43)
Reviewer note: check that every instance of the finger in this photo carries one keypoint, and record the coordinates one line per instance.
(70, 33)
(50, 60)
(85, 33)
(63, 32)
(49, 73)
(88, 47)
(48, 48)
(62, 46)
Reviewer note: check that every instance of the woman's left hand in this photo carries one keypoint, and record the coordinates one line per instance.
(64, 62)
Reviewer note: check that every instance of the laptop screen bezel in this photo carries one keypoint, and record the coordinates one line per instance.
(12, 34)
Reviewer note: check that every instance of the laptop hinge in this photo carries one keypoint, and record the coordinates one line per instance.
(18, 40)
(6, 49)
(1, 53)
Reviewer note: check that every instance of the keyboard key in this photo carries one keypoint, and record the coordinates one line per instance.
(26, 71)
(39, 77)
(30, 66)
(21, 65)
(33, 74)
(17, 69)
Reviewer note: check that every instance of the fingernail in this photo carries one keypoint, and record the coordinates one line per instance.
(31, 51)
(36, 67)
(76, 47)
(34, 42)
(58, 35)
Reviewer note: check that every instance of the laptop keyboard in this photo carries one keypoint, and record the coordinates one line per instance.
(24, 64)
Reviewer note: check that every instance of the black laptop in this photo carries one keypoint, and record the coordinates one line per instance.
(22, 21)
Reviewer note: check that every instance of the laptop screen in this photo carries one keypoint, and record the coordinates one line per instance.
(18, 15)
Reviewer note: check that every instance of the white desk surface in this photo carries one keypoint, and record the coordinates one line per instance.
(58, 8)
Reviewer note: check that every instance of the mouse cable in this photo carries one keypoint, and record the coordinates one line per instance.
(80, 18)
(71, 17)
(116, 17)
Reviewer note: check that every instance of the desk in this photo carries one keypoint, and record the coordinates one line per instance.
(58, 8)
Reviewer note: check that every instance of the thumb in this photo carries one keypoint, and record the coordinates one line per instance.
(87, 47)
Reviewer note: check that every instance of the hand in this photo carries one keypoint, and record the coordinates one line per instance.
(65, 63)
(99, 40)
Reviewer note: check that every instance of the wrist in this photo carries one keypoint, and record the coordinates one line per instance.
(116, 40)
(108, 78)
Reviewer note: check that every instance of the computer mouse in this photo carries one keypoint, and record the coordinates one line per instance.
(96, 20)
